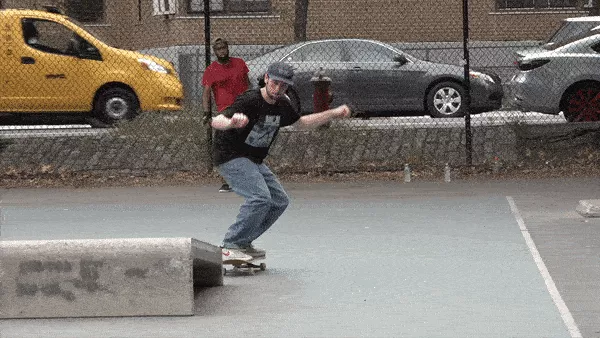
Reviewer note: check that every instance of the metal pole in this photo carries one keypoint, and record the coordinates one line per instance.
(467, 101)
(208, 116)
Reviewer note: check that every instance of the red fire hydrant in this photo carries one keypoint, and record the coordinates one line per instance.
(322, 96)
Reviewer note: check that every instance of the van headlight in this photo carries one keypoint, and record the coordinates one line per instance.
(153, 66)
(479, 75)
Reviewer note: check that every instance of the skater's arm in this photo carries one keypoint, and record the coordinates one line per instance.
(317, 119)
(222, 122)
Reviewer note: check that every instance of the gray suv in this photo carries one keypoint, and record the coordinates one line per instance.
(566, 78)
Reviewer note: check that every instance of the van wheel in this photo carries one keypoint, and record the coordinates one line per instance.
(446, 99)
(116, 104)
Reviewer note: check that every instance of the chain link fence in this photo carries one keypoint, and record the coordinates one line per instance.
(116, 86)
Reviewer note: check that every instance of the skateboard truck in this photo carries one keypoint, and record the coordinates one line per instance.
(243, 267)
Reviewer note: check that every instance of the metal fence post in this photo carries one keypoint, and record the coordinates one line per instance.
(208, 116)
(467, 102)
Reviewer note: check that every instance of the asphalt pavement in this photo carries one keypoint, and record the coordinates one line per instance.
(500, 258)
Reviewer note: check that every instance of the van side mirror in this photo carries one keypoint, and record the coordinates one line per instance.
(401, 59)
(90, 53)
(85, 50)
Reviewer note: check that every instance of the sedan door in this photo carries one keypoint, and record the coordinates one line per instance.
(377, 82)
(310, 58)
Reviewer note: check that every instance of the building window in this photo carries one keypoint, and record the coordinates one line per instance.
(85, 10)
(538, 4)
(230, 6)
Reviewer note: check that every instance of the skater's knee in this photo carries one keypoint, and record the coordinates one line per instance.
(281, 201)
(262, 198)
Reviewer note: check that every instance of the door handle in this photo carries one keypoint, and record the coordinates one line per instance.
(356, 68)
(27, 60)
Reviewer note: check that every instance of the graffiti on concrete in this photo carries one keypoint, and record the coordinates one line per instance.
(58, 278)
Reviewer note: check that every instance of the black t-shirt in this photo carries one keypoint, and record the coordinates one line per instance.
(254, 140)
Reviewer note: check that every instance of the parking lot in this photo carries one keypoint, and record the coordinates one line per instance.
(370, 258)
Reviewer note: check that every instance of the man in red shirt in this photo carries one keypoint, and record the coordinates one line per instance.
(225, 78)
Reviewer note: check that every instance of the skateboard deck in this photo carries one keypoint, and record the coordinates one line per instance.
(241, 266)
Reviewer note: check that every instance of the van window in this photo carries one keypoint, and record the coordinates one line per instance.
(50, 37)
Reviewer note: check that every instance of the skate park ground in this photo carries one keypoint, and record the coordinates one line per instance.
(497, 258)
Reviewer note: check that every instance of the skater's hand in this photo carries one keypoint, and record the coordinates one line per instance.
(343, 111)
(239, 120)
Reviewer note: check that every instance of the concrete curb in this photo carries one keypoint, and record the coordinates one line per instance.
(105, 277)
(589, 208)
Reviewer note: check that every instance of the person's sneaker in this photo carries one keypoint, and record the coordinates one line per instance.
(254, 252)
(234, 255)
(225, 188)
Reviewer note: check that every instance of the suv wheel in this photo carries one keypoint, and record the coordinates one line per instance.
(582, 103)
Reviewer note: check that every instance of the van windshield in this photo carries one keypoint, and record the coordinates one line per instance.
(90, 30)
(568, 30)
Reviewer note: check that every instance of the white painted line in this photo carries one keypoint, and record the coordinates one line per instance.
(558, 301)
(43, 127)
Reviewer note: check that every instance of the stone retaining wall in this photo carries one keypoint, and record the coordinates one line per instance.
(329, 149)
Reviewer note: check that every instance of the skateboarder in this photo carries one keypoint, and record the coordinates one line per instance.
(244, 134)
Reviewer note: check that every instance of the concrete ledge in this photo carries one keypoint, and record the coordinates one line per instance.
(589, 208)
(105, 277)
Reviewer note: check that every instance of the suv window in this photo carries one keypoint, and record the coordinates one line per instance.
(569, 30)
(573, 39)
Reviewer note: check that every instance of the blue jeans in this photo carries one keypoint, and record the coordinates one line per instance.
(265, 200)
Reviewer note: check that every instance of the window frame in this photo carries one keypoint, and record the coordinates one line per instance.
(232, 7)
(538, 5)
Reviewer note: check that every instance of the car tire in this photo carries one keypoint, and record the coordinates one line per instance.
(578, 103)
(116, 104)
(446, 99)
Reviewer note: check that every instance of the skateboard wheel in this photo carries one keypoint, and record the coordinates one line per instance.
(263, 266)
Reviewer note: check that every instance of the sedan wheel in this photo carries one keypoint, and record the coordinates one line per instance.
(583, 104)
(446, 100)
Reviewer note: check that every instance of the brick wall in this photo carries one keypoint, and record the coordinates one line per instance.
(127, 26)
(386, 20)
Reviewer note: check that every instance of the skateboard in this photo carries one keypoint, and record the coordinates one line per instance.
(241, 266)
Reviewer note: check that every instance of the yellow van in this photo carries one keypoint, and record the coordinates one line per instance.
(50, 64)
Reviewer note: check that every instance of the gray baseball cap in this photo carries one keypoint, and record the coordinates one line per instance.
(281, 71)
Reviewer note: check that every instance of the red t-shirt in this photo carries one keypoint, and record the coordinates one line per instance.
(227, 81)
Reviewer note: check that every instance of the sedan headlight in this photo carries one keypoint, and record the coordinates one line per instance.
(484, 77)
(153, 66)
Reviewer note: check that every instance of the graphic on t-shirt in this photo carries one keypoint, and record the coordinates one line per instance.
(263, 132)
